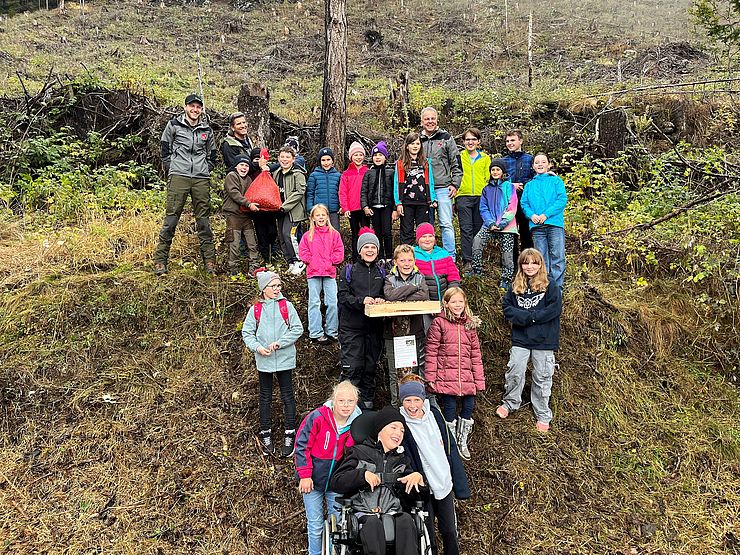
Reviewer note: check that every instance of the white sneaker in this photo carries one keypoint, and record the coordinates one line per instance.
(299, 267)
(291, 268)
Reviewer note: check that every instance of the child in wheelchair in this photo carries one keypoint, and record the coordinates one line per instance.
(378, 479)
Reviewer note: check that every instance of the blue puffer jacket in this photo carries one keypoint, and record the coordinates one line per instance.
(323, 188)
(545, 194)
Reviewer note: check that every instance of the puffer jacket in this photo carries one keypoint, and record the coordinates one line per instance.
(350, 188)
(188, 151)
(439, 270)
(440, 146)
(323, 188)
(389, 498)
(273, 329)
(508, 203)
(294, 183)
(322, 253)
(374, 191)
(319, 445)
(545, 194)
(454, 365)
(234, 188)
(476, 174)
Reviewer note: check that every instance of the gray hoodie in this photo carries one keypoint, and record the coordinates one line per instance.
(188, 151)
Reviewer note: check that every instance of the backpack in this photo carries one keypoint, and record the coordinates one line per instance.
(282, 306)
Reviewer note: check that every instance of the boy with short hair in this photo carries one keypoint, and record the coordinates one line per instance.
(323, 186)
(519, 169)
(238, 222)
(291, 182)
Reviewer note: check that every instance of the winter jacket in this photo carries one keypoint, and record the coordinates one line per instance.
(323, 188)
(459, 478)
(231, 147)
(366, 280)
(545, 194)
(234, 188)
(413, 288)
(273, 329)
(445, 156)
(188, 151)
(377, 186)
(453, 359)
(322, 253)
(319, 445)
(389, 497)
(476, 174)
(507, 206)
(519, 167)
(294, 184)
(439, 270)
(401, 179)
(350, 188)
(535, 318)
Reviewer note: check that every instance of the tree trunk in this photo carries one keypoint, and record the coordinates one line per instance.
(400, 101)
(334, 99)
(611, 128)
(254, 102)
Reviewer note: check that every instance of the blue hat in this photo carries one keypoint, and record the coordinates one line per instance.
(411, 389)
(326, 151)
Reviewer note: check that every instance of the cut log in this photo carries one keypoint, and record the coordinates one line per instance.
(404, 308)
(254, 102)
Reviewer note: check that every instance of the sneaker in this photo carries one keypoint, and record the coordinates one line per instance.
(543, 427)
(160, 269)
(268, 447)
(323, 339)
(299, 267)
(211, 267)
(288, 444)
(291, 268)
(502, 412)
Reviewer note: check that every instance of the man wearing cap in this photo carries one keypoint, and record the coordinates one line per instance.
(444, 157)
(378, 477)
(188, 155)
(236, 142)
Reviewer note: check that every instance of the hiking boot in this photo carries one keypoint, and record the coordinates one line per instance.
(543, 427)
(467, 269)
(288, 444)
(502, 412)
(465, 427)
(268, 447)
(211, 267)
(160, 269)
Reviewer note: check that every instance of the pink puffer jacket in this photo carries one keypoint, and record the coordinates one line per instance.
(453, 360)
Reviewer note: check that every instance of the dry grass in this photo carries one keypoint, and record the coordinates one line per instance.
(129, 414)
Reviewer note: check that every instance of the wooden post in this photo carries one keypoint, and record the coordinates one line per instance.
(333, 130)
(254, 102)
(530, 63)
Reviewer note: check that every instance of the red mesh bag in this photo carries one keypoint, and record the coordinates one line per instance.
(264, 191)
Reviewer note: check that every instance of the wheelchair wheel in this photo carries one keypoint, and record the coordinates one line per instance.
(425, 544)
(328, 547)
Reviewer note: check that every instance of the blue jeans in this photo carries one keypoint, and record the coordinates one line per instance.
(314, 503)
(444, 215)
(449, 406)
(550, 241)
(315, 327)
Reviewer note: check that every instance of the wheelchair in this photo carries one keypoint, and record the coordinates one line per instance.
(341, 535)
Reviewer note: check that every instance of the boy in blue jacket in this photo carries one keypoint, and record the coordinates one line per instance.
(323, 186)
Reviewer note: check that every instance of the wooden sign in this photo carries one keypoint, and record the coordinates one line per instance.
(402, 308)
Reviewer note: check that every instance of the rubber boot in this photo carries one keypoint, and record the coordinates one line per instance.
(462, 439)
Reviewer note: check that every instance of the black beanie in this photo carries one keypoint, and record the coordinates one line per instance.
(326, 151)
(255, 153)
(385, 416)
(499, 163)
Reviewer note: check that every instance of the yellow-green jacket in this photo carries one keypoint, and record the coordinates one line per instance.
(475, 174)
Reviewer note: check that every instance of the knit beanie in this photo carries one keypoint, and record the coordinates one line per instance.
(293, 141)
(367, 236)
(255, 153)
(385, 416)
(356, 147)
(326, 151)
(424, 229)
(241, 159)
(411, 389)
(380, 148)
(499, 163)
(264, 279)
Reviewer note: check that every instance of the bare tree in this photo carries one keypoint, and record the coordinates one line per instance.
(334, 99)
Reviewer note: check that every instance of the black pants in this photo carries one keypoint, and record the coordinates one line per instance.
(285, 381)
(413, 215)
(444, 510)
(525, 236)
(288, 238)
(361, 351)
(265, 225)
(382, 222)
(470, 220)
(357, 219)
(372, 535)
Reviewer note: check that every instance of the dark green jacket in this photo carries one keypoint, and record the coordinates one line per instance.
(294, 183)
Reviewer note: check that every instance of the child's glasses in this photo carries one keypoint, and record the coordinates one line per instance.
(276, 286)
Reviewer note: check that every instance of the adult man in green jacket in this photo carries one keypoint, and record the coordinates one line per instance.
(189, 155)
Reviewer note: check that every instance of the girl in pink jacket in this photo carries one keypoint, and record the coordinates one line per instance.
(350, 189)
(454, 366)
(321, 249)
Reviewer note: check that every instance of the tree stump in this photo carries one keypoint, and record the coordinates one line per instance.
(611, 128)
(400, 101)
(254, 102)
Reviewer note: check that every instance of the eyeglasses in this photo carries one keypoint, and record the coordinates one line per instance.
(346, 402)
(276, 286)
(470, 139)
